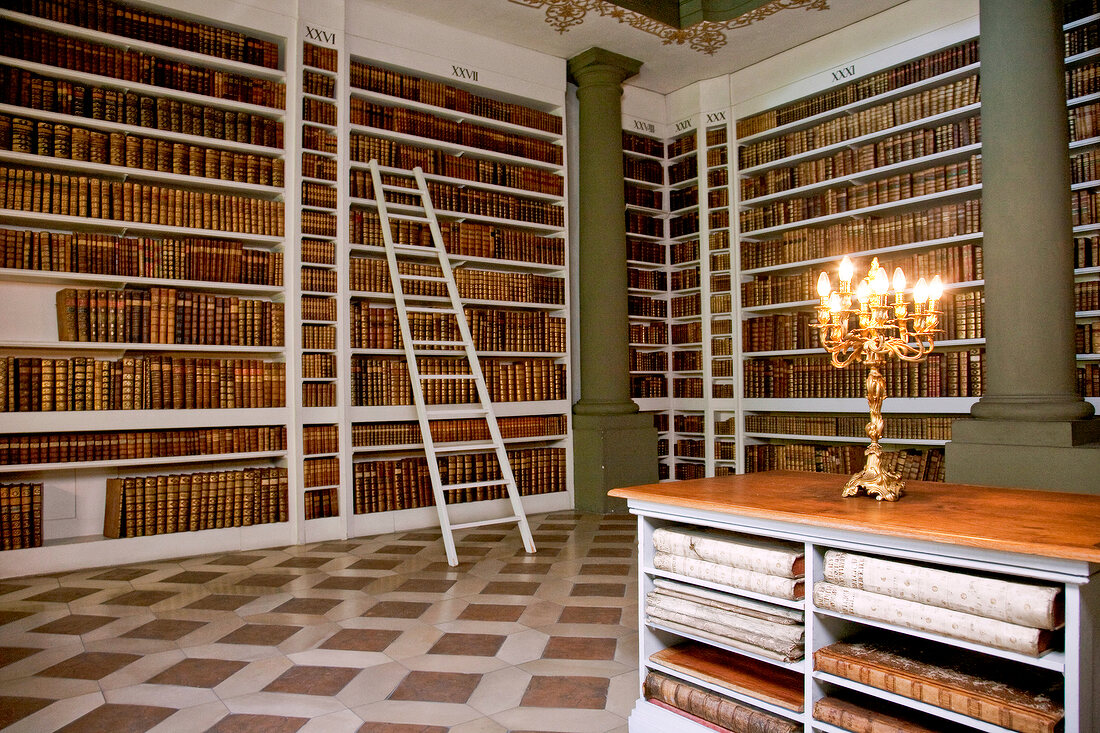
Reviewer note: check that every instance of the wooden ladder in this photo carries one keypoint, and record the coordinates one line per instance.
(462, 349)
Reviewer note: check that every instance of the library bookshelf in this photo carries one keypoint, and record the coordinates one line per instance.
(142, 236)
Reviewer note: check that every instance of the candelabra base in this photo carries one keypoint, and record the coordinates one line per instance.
(877, 482)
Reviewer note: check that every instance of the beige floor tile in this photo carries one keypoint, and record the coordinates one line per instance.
(500, 690)
(342, 721)
(253, 678)
(59, 714)
(523, 647)
(193, 719)
(172, 696)
(280, 703)
(373, 686)
(424, 713)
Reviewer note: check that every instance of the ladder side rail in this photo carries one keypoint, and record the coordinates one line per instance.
(475, 364)
(414, 369)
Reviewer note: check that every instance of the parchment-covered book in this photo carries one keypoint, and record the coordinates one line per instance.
(760, 555)
(1027, 604)
(784, 639)
(923, 617)
(739, 604)
(770, 585)
(1009, 694)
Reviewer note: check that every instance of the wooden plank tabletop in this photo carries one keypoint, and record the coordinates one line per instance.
(1045, 523)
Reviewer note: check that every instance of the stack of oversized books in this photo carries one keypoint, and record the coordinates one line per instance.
(982, 609)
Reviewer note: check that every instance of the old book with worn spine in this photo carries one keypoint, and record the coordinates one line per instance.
(771, 585)
(714, 708)
(1013, 696)
(869, 715)
(735, 672)
(770, 557)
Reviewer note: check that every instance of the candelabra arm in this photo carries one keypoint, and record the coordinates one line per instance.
(877, 482)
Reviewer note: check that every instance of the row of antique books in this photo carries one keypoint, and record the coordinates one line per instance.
(56, 49)
(320, 57)
(940, 62)
(888, 151)
(910, 464)
(371, 275)
(649, 198)
(20, 516)
(318, 337)
(149, 382)
(320, 111)
(364, 148)
(941, 374)
(317, 439)
(853, 198)
(648, 361)
(321, 503)
(463, 199)
(648, 386)
(138, 506)
(899, 426)
(386, 382)
(322, 195)
(959, 263)
(318, 166)
(62, 194)
(1086, 295)
(35, 91)
(425, 125)
(646, 279)
(323, 471)
(317, 251)
(107, 16)
(318, 279)
(40, 137)
(190, 258)
(398, 84)
(643, 145)
(404, 483)
(113, 445)
(917, 106)
(1088, 380)
(461, 429)
(318, 366)
(461, 238)
(492, 329)
(1082, 80)
(847, 237)
(321, 85)
(1084, 122)
(318, 222)
(319, 139)
(318, 394)
(318, 308)
(641, 169)
(167, 316)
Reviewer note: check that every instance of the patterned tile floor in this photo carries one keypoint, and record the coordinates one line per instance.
(374, 634)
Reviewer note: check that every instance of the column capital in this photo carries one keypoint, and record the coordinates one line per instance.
(598, 65)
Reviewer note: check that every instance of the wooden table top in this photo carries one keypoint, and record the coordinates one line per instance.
(1045, 523)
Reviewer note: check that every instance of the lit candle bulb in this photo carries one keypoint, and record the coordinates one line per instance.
(899, 286)
(846, 270)
(824, 287)
(880, 283)
(834, 303)
(935, 292)
(863, 292)
(920, 292)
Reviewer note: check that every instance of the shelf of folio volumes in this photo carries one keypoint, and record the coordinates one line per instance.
(142, 369)
(495, 174)
(769, 603)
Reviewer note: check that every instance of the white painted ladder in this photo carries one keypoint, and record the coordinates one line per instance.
(464, 348)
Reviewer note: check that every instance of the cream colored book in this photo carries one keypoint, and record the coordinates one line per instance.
(681, 627)
(769, 585)
(760, 555)
(754, 630)
(737, 604)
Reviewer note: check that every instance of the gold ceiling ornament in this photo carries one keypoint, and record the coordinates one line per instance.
(706, 36)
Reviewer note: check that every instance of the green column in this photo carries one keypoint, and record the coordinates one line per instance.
(1029, 420)
(613, 444)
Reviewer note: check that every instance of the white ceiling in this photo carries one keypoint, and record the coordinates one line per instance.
(665, 68)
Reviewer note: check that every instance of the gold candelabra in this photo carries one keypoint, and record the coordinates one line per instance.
(887, 327)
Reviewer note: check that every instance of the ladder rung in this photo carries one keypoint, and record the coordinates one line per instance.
(409, 217)
(426, 309)
(474, 485)
(466, 377)
(402, 189)
(439, 352)
(424, 278)
(438, 343)
(464, 447)
(485, 522)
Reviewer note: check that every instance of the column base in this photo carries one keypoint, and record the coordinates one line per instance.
(610, 451)
(1055, 456)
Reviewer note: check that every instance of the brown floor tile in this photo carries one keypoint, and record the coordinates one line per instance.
(12, 654)
(375, 563)
(472, 550)
(400, 728)
(113, 717)
(165, 629)
(543, 551)
(397, 609)
(124, 574)
(339, 582)
(510, 588)
(361, 640)
(443, 567)
(605, 569)
(63, 595)
(469, 645)
(611, 552)
(266, 580)
(590, 615)
(491, 612)
(399, 549)
(525, 568)
(610, 590)
(193, 577)
(551, 538)
(245, 723)
(307, 680)
(6, 588)
(603, 539)
(220, 602)
(74, 624)
(90, 665)
(17, 708)
(484, 537)
(587, 693)
(140, 598)
(421, 536)
(308, 606)
(260, 634)
(579, 647)
(425, 585)
(557, 526)
(340, 547)
(8, 617)
(235, 559)
(198, 672)
(453, 687)
(304, 561)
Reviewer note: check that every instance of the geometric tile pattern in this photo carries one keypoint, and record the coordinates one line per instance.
(374, 634)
